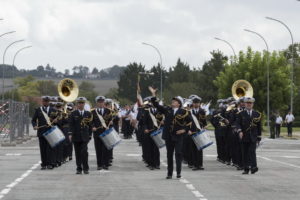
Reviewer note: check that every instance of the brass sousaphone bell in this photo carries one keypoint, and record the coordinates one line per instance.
(241, 88)
(68, 90)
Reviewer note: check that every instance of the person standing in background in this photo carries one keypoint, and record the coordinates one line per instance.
(278, 124)
(289, 119)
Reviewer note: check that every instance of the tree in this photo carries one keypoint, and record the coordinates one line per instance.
(252, 66)
(127, 85)
(86, 89)
(95, 71)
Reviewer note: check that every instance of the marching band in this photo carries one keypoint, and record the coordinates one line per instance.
(180, 127)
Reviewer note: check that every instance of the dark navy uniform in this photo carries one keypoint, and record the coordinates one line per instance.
(102, 153)
(249, 123)
(38, 120)
(81, 130)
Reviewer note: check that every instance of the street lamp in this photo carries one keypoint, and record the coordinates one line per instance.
(292, 68)
(161, 67)
(17, 41)
(268, 77)
(13, 74)
(227, 44)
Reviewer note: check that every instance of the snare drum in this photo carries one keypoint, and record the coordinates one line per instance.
(157, 138)
(54, 136)
(110, 138)
(202, 140)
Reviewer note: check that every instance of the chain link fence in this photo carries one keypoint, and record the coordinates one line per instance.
(14, 121)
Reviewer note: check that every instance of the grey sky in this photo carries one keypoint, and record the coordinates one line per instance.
(101, 33)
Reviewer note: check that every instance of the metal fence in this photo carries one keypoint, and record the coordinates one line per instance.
(14, 121)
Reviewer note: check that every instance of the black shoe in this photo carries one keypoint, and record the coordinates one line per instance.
(109, 164)
(190, 166)
(50, 167)
(254, 170)
(151, 168)
(169, 177)
(99, 168)
(157, 167)
(105, 167)
(227, 163)
(43, 168)
(70, 158)
(246, 172)
(78, 172)
(86, 172)
(198, 168)
(178, 175)
(239, 168)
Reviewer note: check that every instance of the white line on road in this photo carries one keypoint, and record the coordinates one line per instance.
(13, 154)
(283, 163)
(10, 186)
(188, 185)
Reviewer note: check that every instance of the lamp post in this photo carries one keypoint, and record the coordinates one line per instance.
(161, 67)
(292, 68)
(268, 78)
(14, 59)
(11, 44)
(227, 44)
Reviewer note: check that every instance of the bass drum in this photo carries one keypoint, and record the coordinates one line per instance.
(202, 140)
(54, 136)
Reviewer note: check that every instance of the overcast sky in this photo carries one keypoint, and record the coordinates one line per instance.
(101, 33)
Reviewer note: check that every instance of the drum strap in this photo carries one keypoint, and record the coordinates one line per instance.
(153, 119)
(196, 121)
(101, 119)
(46, 117)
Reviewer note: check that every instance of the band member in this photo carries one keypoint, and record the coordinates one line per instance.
(127, 129)
(102, 120)
(59, 149)
(220, 124)
(176, 124)
(249, 129)
(80, 134)
(236, 142)
(152, 121)
(41, 121)
(198, 123)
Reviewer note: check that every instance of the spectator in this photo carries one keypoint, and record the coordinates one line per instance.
(289, 122)
(278, 125)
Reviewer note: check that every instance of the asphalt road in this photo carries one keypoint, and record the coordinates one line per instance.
(129, 179)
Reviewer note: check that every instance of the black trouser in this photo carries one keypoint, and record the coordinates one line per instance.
(237, 151)
(102, 153)
(47, 153)
(277, 130)
(177, 147)
(81, 154)
(187, 150)
(290, 128)
(154, 156)
(228, 145)
(197, 155)
(127, 128)
(249, 155)
(147, 148)
(59, 152)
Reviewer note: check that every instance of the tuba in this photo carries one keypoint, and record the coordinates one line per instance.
(240, 88)
(68, 91)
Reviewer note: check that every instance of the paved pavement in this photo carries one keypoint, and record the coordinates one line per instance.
(278, 176)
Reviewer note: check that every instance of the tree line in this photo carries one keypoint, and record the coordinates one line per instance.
(82, 72)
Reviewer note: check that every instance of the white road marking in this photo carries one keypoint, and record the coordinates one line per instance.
(210, 155)
(188, 185)
(13, 154)
(283, 163)
(10, 186)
